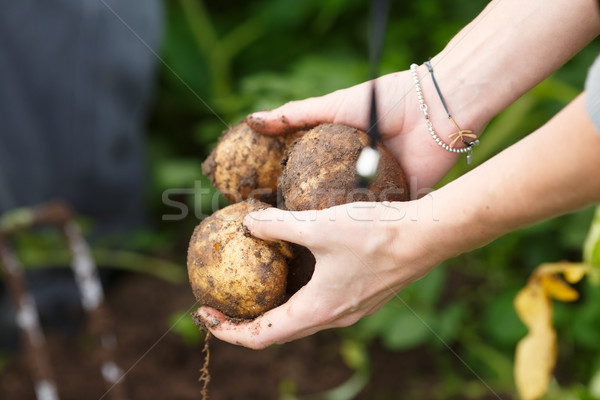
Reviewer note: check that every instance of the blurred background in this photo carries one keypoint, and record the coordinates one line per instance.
(112, 106)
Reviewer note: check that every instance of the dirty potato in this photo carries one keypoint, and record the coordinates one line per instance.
(246, 164)
(232, 271)
(319, 171)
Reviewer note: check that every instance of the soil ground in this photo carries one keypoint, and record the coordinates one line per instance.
(161, 365)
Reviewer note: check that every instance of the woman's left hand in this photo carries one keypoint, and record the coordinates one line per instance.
(365, 254)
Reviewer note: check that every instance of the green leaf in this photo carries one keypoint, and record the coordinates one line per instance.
(16, 218)
(594, 386)
(207, 133)
(428, 290)
(407, 330)
(287, 389)
(591, 247)
(586, 325)
(182, 324)
(375, 325)
(450, 322)
(500, 321)
(187, 70)
(177, 173)
(355, 354)
(3, 361)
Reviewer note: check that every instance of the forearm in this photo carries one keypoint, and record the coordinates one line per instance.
(509, 48)
(553, 171)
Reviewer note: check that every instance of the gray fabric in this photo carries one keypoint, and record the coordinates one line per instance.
(75, 85)
(592, 95)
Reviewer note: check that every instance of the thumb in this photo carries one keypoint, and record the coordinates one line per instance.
(302, 114)
(275, 224)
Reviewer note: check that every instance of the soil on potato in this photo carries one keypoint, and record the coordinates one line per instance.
(161, 366)
(324, 162)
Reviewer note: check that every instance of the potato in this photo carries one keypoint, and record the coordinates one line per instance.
(246, 164)
(243, 276)
(232, 271)
(319, 171)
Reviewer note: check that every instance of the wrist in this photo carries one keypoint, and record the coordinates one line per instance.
(461, 99)
(425, 234)
(450, 135)
(453, 224)
(489, 66)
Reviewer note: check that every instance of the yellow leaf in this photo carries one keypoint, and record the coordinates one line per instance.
(574, 273)
(535, 356)
(536, 353)
(534, 361)
(533, 306)
(556, 288)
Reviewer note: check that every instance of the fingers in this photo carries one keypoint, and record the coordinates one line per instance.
(292, 226)
(315, 229)
(279, 325)
(298, 318)
(209, 316)
(339, 107)
(296, 115)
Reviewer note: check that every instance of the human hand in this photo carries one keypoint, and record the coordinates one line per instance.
(401, 122)
(365, 254)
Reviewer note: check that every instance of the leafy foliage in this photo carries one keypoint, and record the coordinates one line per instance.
(228, 59)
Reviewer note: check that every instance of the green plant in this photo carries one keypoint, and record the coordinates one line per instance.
(181, 324)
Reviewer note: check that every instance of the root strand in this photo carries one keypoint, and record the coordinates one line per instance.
(204, 374)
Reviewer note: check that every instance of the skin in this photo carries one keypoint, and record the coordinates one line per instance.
(367, 252)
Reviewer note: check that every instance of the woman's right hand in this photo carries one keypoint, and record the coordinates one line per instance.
(401, 123)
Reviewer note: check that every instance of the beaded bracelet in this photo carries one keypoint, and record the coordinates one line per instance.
(459, 134)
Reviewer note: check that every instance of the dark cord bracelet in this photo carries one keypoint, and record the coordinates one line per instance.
(460, 134)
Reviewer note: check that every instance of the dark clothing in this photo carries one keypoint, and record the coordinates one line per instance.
(75, 84)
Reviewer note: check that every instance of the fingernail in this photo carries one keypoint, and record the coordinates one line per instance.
(212, 322)
(206, 318)
(257, 118)
(249, 220)
(260, 114)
